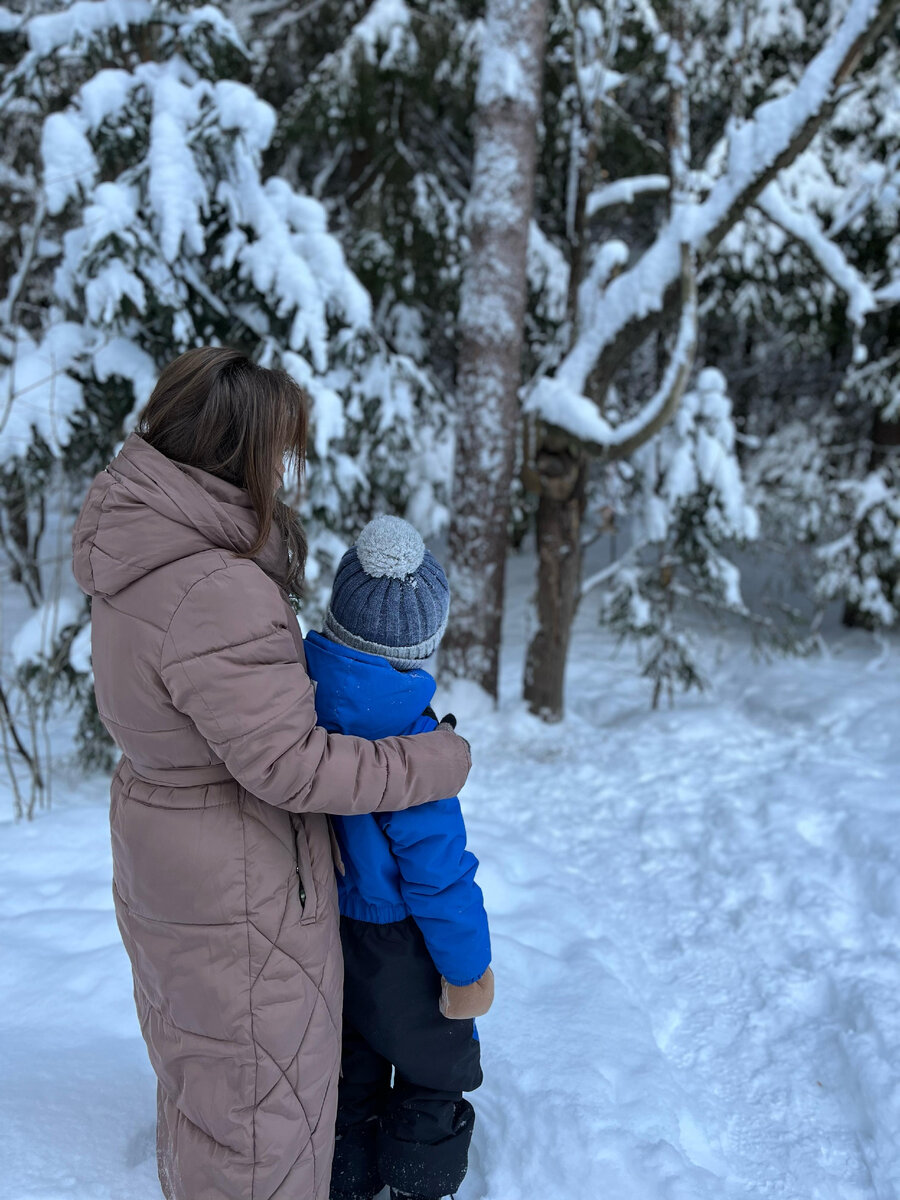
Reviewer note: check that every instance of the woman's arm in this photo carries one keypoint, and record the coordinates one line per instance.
(229, 662)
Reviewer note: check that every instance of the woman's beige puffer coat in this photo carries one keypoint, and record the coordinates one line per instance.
(223, 868)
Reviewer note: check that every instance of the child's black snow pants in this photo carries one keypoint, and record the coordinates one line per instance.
(414, 1135)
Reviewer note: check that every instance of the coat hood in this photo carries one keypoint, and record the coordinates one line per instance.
(146, 511)
(363, 692)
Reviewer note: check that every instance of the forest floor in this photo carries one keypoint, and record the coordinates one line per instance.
(696, 926)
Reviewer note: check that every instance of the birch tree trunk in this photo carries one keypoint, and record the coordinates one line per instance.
(492, 310)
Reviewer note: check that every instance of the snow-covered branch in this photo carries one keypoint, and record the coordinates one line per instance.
(558, 405)
(624, 191)
(612, 569)
(806, 228)
(758, 149)
(889, 294)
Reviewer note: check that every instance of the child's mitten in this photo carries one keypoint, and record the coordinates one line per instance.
(462, 1003)
(449, 722)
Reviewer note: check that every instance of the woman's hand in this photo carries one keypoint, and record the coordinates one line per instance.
(463, 1003)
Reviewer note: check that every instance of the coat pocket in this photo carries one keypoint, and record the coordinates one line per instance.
(309, 901)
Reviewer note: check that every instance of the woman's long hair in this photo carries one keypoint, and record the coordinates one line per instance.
(216, 410)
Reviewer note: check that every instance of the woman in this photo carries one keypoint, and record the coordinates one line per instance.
(223, 859)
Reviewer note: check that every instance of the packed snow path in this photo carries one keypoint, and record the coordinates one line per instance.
(695, 920)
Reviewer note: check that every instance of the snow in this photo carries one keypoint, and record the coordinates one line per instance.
(123, 358)
(382, 26)
(36, 393)
(176, 189)
(69, 163)
(694, 917)
(694, 453)
(548, 273)
(607, 260)
(103, 97)
(83, 20)
(509, 70)
(80, 651)
(34, 639)
(497, 196)
(104, 293)
(240, 108)
(807, 229)
(623, 191)
(754, 145)
(190, 23)
(326, 418)
(555, 401)
(889, 294)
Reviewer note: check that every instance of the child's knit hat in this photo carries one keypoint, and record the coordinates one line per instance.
(390, 595)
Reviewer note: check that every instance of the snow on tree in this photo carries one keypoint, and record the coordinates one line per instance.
(156, 227)
(862, 566)
(739, 117)
(174, 236)
(753, 152)
(374, 102)
(690, 505)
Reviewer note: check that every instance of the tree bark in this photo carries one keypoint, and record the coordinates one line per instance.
(563, 470)
(492, 311)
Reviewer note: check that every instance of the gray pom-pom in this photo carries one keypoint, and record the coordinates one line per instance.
(389, 546)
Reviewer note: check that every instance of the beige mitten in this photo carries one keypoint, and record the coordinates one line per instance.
(462, 1003)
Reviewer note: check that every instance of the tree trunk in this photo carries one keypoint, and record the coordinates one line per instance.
(563, 473)
(492, 310)
(561, 466)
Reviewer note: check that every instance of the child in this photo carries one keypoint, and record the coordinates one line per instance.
(413, 926)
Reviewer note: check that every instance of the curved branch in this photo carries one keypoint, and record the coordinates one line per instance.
(578, 416)
(637, 301)
(660, 410)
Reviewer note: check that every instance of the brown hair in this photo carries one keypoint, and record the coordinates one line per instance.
(214, 409)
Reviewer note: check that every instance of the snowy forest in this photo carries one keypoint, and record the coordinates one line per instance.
(603, 296)
(640, 264)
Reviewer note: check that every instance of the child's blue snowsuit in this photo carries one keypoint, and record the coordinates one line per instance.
(410, 912)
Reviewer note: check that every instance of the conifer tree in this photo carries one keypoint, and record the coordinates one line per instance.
(156, 226)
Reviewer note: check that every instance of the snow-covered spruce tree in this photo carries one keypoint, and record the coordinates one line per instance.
(161, 230)
(375, 99)
(689, 507)
(372, 101)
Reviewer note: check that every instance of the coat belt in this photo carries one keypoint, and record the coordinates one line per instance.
(182, 776)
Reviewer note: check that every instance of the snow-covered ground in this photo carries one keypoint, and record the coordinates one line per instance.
(696, 921)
